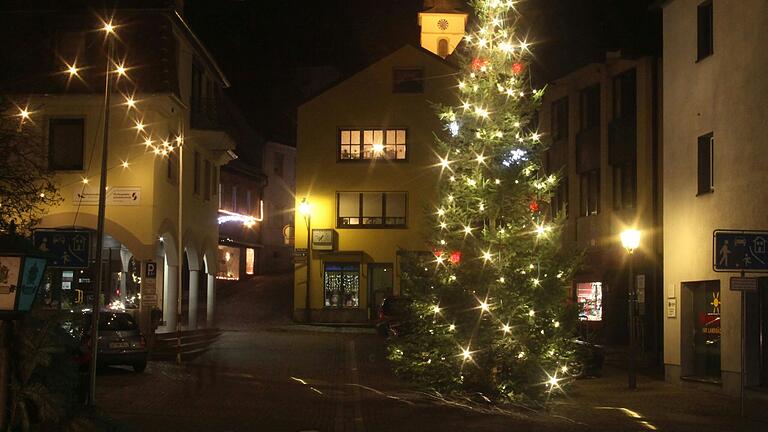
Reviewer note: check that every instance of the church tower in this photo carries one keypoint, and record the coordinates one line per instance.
(442, 26)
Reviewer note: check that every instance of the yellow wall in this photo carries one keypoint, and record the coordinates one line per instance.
(366, 99)
(431, 33)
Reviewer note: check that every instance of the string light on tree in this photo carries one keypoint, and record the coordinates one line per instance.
(489, 209)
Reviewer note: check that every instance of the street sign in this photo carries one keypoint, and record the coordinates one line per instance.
(740, 251)
(300, 252)
(71, 247)
(150, 270)
(743, 284)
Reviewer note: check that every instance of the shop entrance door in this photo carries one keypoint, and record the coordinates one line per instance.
(705, 323)
(379, 286)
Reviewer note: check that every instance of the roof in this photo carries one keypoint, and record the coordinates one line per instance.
(345, 78)
(207, 58)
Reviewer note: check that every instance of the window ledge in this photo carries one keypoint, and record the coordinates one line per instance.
(711, 191)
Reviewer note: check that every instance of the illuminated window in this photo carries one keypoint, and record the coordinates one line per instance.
(229, 263)
(369, 144)
(371, 209)
(590, 298)
(250, 256)
(342, 285)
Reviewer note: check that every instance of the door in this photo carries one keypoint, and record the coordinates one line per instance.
(379, 286)
(706, 329)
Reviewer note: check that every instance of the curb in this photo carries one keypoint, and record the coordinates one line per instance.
(325, 329)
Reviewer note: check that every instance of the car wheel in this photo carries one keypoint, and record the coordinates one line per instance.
(576, 368)
(140, 366)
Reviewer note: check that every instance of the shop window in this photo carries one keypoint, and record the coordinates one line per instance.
(250, 258)
(371, 209)
(705, 322)
(589, 296)
(342, 285)
(66, 138)
(229, 263)
(369, 144)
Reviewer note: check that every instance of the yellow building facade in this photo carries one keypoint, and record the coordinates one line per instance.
(142, 226)
(366, 168)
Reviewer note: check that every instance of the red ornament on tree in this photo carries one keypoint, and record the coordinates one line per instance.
(456, 257)
(518, 68)
(438, 253)
(479, 63)
(534, 206)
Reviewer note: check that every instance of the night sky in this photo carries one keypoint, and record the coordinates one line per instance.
(275, 53)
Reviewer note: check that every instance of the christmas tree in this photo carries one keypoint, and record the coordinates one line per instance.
(489, 310)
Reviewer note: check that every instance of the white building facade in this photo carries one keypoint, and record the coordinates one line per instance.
(715, 166)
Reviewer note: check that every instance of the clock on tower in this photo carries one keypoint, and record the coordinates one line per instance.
(442, 26)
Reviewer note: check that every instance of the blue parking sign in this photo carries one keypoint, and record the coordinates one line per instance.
(740, 251)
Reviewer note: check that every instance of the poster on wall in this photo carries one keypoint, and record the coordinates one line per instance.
(590, 298)
(9, 277)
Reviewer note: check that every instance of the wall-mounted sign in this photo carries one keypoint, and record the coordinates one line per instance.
(744, 284)
(737, 251)
(150, 269)
(116, 196)
(71, 247)
(671, 308)
(322, 239)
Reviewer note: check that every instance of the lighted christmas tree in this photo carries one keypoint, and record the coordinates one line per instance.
(489, 311)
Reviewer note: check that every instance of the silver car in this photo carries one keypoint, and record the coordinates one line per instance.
(120, 341)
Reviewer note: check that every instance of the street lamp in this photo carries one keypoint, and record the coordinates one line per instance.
(630, 239)
(305, 208)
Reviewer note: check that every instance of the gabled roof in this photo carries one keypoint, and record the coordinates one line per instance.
(423, 51)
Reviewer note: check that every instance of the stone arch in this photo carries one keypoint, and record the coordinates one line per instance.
(193, 252)
(111, 227)
(168, 244)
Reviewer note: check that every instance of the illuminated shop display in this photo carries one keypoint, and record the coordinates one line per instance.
(590, 298)
(229, 263)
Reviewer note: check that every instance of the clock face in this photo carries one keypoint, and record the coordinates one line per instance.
(442, 24)
(322, 239)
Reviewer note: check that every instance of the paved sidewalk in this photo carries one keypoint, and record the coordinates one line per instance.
(607, 404)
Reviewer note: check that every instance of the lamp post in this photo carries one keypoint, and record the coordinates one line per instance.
(109, 31)
(630, 239)
(306, 210)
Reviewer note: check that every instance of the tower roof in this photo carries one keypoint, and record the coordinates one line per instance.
(449, 6)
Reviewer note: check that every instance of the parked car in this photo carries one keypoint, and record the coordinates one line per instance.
(588, 361)
(391, 313)
(120, 341)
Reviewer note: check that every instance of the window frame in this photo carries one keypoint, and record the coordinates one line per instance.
(618, 187)
(706, 48)
(584, 106)
(395, 81)
(559, 121)
(383, 216)
(707, 140)
(341, 305)
(51, 144)
(361, 130)
(593, 182)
